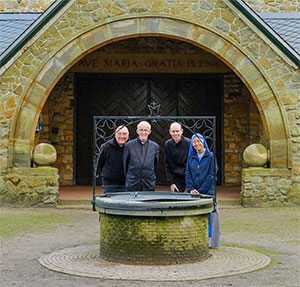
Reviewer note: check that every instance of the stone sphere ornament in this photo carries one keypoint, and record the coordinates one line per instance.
(44, 154)
(255, 155)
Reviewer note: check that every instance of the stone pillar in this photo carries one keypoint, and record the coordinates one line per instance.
(272, 187)
(263, 186)
(30, 186)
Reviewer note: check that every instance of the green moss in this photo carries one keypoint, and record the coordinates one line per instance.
(150, 240)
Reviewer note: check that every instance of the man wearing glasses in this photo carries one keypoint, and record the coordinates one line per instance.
(111, 161)
(140, 160)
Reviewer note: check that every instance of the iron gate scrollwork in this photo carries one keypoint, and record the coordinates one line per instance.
(105, 126)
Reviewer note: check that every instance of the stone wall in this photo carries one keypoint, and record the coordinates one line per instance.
(10, 6)
(256, 132)
(268, 187)
(30, 186)
(256, 5)
(240, 126)
(282, 6)
(57, 118)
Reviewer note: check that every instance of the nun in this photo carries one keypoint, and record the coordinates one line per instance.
(200, 176)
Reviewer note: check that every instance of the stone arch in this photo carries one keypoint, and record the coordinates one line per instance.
(23, 127)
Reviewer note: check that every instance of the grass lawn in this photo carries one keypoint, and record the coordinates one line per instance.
(280, 221)
(18, 221)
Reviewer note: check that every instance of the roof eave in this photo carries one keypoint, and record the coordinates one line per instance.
(279, 43)
(32, 31)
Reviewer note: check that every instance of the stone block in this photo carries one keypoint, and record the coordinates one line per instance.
(51, 180)
(89, 7)
(28, 171)
(35, 181)
(3, 188)
(70, 52)
(265, 63)
(288, 97)
(278, 155)
(172, 27)
(149, 25)
(52, 190)
(294, 195)
(227, 16)
(22, 187)
(95, 37)
(125, 27)
(25, 123)
(25, 199)
(48, 75)
(266, 172)
(36, 95)
(11, 195)
(28, 71)
(205, 5)
(50, 199)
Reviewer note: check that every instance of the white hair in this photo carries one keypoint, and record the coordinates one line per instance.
(144, 122)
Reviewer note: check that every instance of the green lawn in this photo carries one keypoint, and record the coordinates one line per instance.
(18, 221)
(278, 221)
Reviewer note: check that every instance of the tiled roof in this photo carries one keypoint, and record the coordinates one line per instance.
(12, 25)
(286, 25)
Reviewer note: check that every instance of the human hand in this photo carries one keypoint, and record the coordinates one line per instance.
(174, 188)
(194, 191)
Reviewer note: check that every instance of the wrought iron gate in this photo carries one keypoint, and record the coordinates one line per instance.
(104, 127)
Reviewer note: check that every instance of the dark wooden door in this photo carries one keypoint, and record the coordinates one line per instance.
(125, 95)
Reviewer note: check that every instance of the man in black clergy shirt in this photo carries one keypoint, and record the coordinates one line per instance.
(176, 154)
(140, 160)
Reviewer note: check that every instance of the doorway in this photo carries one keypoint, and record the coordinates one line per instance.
(130, 95)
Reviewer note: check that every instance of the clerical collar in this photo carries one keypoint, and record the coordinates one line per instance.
(142, 142)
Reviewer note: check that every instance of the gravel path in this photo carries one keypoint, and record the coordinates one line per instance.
(273, 232)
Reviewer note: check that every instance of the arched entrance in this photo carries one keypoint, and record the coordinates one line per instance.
(23, 128)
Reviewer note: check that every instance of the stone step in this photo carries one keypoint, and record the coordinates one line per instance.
(229, 202)
(74, 203)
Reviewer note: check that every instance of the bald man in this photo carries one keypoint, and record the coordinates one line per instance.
(111, 161)
(140, 160)
(176, 154)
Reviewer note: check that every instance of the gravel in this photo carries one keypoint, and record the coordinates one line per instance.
(273, 232)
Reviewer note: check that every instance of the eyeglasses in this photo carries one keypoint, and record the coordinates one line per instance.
(143, 130)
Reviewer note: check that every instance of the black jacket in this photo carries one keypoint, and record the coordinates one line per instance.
(176, 155)
(140, 167)
(111, 163)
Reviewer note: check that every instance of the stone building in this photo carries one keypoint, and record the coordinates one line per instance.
(62, 62)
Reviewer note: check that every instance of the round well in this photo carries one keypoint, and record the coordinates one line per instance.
(153, 227)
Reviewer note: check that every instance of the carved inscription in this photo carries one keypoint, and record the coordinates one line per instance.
(150, 63)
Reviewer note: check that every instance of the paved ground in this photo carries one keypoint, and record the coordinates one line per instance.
(274, 232)
(224, 261)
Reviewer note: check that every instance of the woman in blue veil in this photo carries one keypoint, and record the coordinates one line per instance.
(201, 169)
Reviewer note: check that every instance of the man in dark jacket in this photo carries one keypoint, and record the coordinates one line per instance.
(176, 154)
(111, 161)
(140, 160)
